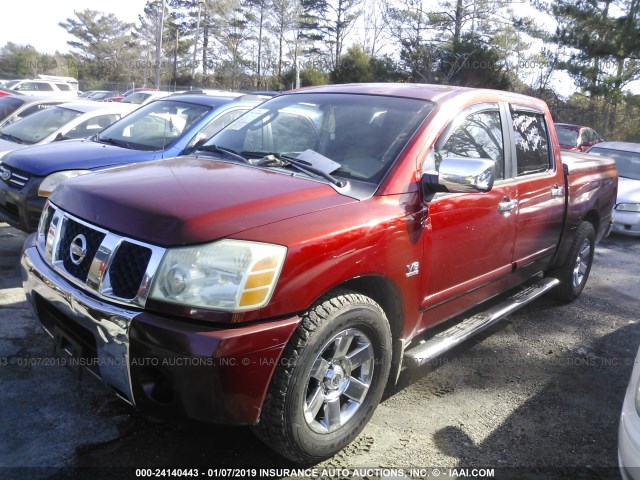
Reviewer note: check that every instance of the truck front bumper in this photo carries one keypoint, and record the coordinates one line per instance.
(163, 365)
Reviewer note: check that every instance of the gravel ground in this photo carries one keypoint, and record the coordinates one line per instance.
(536, 396)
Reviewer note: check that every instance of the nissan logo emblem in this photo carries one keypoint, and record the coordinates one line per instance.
(78, 249)
(5, 174)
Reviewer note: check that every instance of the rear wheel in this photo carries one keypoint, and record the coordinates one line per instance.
(573, 274)
(330, 379)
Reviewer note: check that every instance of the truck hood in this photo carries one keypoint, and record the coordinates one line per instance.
(628, 190)
(190, 200)
(41, 160)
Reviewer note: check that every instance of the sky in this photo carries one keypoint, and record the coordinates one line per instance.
(38, 26)
(38, 20)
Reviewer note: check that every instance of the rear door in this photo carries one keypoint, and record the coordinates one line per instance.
(470, 236)
(540, 187)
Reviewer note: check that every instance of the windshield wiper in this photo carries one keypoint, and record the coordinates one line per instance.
(113, 141)
(11, 138)
(227, 151)
(279, 160)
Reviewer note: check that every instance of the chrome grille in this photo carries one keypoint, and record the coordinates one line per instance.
(14, 177)
(113, 267)
(127, 270)
(72, 231)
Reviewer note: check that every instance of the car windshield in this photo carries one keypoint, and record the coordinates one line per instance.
(39, 125)
(11, 83)
(362, 133)
(627, 163)
(8, 105)
(567, 137)
(154, 126)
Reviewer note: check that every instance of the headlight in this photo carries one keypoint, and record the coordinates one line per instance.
(628, 207)
(230, 275)
(49, 184)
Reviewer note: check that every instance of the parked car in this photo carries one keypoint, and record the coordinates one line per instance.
(142, 98)
(118, 98)
(102, 95)
(629, 428)
(42, 87)
(16, 107)
(626, 214)
(4, 92)
(66, 121)
(164, 128)
(297, 261)
(91, 93)
(576, 138)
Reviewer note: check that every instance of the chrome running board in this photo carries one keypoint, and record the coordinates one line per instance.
(432, 347)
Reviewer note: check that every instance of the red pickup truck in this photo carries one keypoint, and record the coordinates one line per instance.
(284, 274)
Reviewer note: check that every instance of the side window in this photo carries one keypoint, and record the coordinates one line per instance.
(43, 87)
(26, 87)
(63, 87)
(92, 126)
(532, 142)
(478, 136)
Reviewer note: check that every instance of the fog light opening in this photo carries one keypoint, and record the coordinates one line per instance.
(156, 386)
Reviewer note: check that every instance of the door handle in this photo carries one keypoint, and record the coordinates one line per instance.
(506, 205)
(557, 191)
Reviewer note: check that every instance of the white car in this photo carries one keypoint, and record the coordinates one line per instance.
(629, 430)
(42, 87)
(80, 119)
(626, 213)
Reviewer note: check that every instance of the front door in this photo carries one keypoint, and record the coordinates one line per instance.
(469, 236)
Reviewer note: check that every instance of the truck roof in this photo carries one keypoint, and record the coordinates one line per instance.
(434, 93)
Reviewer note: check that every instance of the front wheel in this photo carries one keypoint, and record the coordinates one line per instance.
(330, 379)
(575, 270)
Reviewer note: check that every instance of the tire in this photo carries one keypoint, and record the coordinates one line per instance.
(330, 379)
(573, 274)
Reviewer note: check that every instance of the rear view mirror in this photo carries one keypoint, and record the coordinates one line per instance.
(462, 175)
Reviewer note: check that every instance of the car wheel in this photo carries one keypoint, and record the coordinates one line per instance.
(573, 274)
(330, 379)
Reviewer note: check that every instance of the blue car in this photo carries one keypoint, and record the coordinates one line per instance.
(166, 128)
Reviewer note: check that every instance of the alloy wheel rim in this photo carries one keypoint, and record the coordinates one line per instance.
(582, 263)
(339, 381)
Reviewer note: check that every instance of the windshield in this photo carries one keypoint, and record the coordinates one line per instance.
(10, 83)
(39, 125)
(362, 133)
(8, 105)
(567, 137)
(154, 126)
(627, 163)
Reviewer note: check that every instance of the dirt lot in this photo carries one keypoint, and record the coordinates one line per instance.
(534, 397)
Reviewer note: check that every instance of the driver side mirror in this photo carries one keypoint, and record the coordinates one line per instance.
(461, 175)
(198, 141)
